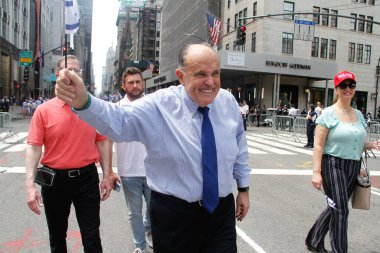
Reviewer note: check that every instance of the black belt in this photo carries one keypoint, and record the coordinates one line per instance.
(181, 201)
(74, 172)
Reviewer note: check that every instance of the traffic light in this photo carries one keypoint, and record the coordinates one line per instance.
(64, 51)
(26, 74)
(241, 35)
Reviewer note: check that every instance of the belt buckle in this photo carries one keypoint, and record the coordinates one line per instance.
(200, 202)
(73, 173)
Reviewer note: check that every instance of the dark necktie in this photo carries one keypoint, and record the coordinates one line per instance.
(209, 163)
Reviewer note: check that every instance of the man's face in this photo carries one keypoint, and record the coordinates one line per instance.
(201, 75)
(72, 65)
(133, 86)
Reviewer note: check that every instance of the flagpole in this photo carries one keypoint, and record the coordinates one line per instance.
(66, 50)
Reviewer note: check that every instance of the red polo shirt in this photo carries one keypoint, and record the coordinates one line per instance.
(69, 142)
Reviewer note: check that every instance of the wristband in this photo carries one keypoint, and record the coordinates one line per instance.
(86, 105)
(243, 189)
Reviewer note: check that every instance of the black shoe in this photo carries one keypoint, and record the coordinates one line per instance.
(307, 145)
(315, 249)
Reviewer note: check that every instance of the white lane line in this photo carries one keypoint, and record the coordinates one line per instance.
(292, 143)
(270, 149)
(16, 148)
(16, 138)
(280, 145)
(255, 151)
(2, 145)
(291, 172)
(248, 240)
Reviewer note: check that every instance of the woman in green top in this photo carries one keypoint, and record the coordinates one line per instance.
(339, 142)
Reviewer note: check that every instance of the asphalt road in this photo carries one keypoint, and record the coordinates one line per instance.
(283, 204)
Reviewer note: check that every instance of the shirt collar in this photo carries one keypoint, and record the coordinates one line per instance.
(193, 107)
(60, 102)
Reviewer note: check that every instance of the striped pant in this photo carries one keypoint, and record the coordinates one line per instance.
(339, 179)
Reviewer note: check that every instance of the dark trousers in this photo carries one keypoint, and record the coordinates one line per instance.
(83, 192)
(310, 134)
(244, 122)
(339, 180)
(179, 226)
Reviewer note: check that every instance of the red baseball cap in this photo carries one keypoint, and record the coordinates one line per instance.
(344, 75)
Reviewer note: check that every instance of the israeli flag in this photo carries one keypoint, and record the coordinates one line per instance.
(72, 16)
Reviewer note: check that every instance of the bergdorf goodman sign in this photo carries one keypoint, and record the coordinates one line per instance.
(287, 65)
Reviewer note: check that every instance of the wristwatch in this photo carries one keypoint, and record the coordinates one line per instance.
(243, 189)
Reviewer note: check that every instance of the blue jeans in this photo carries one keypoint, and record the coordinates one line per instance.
(134, 190)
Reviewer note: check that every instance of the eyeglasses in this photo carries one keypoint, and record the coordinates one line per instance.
(77, 71)
(350, 85)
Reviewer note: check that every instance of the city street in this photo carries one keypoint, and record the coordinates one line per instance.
(283, 203)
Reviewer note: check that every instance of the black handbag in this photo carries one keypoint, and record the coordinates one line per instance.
(45, 176)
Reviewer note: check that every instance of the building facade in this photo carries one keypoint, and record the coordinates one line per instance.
(276, 65)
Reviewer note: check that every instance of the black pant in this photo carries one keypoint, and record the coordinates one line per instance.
(83, 192)
(310, 134)
(339, 180)
(244, 122)
(179, 226)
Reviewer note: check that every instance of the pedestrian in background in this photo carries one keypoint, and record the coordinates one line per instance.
(310, 126)
(196, 149)
(340, 141)
(244, 113)
(131, 169)
(318, 109)
(71, 149)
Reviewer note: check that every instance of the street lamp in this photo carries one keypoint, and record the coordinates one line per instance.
(377, 86)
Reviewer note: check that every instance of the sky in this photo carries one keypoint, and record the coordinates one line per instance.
(104, 31)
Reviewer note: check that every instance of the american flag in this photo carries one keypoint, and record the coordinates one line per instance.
(215, 25)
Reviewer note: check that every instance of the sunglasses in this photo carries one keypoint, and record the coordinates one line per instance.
(344, 86)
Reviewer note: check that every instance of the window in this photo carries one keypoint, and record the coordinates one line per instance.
(351, 52)
(316, 17)
(287, 43)
(227, 46)
(158, 34)
(254, 9)
(369, 24)
(324, 46)
(332, 50)
(315, 47)
(325, 18)
(253, 47)
(353, 21)
(363, 1)
(229, 4)
(359, 53)
(367, 54)
(236, 21)
(245, 15)
(157, 43)
(288, 7)
(361, 23)
(157, 53)
(334, 19)
(228, 25)
(371, 2)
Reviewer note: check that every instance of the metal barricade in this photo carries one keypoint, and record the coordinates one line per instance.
(291, 127)
(6, 129)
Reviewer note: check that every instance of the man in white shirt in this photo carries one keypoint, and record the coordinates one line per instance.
(318, 109)
(131, 169)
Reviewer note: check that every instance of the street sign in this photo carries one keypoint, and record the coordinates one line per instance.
(26, 58)
(304, 29)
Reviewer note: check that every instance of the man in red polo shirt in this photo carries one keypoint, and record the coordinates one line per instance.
(72, 147)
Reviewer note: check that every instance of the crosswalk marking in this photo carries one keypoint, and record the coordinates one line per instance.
(279, 145)
(258, 144)
(269, 148)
